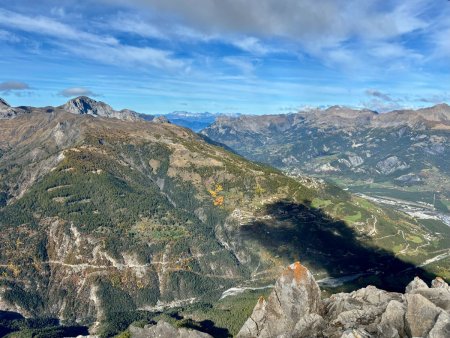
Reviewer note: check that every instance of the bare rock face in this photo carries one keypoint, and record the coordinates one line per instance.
(391, 165)
(416, 284)
(392, 320)
(83, 105)
(294, 309)
(439, 283)
(6, 111)
(296, 295)
(160, 119)
(165, 330)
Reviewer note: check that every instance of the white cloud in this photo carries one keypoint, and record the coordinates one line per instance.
(378, 94)
(313, 22)
(393, 50)
(135, 25)
(7, 86)
(245, 65)
(342, 33)
(8, 36)
(76, 91)
(97, 47)
(251, 45)
(47, 26)
(129, 55)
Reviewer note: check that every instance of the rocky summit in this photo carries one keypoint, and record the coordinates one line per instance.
(5, 110)
(295, 309)
(85, 105)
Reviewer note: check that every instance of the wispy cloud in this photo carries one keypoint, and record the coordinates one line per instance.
(435, 99)
(102, 48)
(8, 36)
(133, 24)
(382, 102)
(50, 27)
(263, 53)
(9, 86)
(252, 45)
(244, 65)
(379, 95)
(77, 91)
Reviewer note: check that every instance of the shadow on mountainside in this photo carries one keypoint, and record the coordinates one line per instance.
(17, 325)
(302, 232)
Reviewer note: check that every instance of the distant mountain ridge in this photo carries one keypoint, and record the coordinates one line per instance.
(406, 147)
(344, 117)
(195, 121)
(81, 105)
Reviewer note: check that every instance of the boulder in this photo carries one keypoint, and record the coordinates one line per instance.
(439, 283)
(310, 325)
(164, 330)
(416, 283)
(441, 328)
(392, 323)
(355, 334)
(438, 296)
(421, 315)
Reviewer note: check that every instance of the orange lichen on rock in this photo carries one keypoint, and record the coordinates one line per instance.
(298, 270)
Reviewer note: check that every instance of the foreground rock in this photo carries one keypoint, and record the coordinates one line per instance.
(165, 330)
(294, 309)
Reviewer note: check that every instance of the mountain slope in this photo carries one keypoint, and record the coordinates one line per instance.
(100, 216)
(395, 150)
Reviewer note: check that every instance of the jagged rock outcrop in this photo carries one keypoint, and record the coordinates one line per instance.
(294, 309)
(391, 165)
(296, 295)
(164, 330)
(6, 111)
(160, 119)
(84, 105)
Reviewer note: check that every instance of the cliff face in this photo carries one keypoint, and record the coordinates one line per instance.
(295, 309)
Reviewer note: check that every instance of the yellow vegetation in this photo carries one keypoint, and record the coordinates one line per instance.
(259, 190)
(14, 269)
(218, 200)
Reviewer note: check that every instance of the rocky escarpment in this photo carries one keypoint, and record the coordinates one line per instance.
(6, 111)
(85, 105)
(163, 329)
(295, 309)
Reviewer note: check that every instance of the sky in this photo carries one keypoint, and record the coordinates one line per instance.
(226, 56)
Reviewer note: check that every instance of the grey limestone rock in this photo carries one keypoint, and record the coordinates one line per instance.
(164, 330)
(295, 295)
(294, 309)
(416, 283)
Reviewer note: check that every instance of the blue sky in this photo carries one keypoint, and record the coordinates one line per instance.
(239, 56)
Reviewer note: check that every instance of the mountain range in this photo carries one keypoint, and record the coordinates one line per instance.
(403, 150)
(106, 218)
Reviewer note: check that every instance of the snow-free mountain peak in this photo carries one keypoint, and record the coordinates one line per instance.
(3, 104)
(85, 105)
